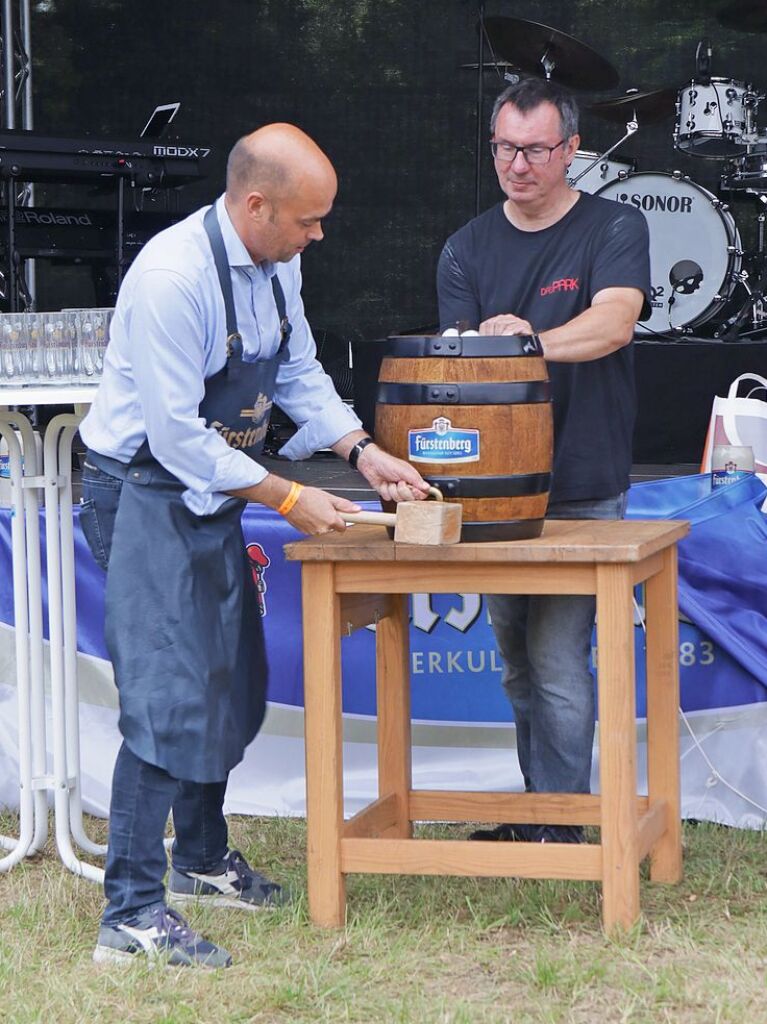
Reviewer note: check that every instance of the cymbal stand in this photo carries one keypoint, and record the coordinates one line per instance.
(548, 64)
(631, 128)
(480, 116)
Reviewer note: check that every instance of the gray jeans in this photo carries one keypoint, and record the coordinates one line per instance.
(545, 645)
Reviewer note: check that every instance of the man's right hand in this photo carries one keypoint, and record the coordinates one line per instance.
(317, 511)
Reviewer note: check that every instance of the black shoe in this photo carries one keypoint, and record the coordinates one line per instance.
(557, 834)
(530, 834)
(503, 834)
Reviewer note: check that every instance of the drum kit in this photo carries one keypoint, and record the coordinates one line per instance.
(701, 273)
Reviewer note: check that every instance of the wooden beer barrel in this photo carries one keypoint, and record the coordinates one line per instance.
(473, 415)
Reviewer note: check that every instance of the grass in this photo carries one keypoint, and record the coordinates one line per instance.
(414, 950)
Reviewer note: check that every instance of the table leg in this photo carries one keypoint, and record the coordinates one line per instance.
(617, 747)
(324, 745)
(393, 699)
(663, 715)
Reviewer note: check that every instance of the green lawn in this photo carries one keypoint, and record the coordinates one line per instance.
(418, 950)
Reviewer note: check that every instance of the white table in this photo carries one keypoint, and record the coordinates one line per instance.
(54, 480)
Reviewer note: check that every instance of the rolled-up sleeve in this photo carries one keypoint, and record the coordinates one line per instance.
(165, 326)
(303, 390)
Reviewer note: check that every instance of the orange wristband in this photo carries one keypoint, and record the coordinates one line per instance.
(291, 499)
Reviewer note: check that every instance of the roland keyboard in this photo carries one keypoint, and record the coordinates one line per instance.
(148, 163)
(79, 235)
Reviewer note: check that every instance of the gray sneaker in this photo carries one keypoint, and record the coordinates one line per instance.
(233, 883)
(160, 934)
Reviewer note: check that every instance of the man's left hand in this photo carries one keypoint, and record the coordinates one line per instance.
(393, 478)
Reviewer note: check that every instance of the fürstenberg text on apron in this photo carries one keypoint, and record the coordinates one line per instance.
(182, 623)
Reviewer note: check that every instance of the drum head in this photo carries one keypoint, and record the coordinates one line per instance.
(691, 268)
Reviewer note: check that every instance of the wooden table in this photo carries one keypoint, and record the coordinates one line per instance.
(350, 580)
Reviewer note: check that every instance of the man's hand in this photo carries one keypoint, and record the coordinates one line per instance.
(394, 479)
(506, 323)
(319, 512)
(315, 511)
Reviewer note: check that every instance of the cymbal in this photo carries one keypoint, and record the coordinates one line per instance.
(526, 43)
(745, 15)
(649, 107)
(489, 65)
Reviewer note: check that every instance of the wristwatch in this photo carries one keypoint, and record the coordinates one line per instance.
(357, 450)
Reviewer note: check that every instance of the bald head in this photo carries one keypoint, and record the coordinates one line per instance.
(279, 188)
(275, 160)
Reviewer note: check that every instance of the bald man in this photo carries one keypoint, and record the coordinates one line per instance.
(209, 328)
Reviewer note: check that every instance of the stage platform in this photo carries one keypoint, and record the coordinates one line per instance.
(328, 471)
(333, 474)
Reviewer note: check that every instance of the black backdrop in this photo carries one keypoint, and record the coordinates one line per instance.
(379, 84)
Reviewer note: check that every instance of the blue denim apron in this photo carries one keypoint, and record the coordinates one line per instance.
(182, 624)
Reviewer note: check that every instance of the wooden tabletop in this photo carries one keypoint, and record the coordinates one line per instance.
(571, 540)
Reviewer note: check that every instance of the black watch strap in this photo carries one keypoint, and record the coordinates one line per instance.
(357, 450)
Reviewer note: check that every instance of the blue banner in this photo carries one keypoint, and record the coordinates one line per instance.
(455, 667)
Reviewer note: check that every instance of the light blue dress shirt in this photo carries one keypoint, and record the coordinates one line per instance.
(168, 335)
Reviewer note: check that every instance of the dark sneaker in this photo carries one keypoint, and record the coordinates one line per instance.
(557, 834)
(503, 834)
(160, 934)
(233, 883)
(530, 834)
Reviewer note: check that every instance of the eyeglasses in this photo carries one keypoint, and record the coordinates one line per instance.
(507, 152)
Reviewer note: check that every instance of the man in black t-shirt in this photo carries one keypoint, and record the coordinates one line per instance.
(574, 269)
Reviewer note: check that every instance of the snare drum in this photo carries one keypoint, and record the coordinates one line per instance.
(600, 174)
(694, 248)
(712, 119)
(748, 172)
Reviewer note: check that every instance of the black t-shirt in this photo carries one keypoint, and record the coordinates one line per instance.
(547, 277)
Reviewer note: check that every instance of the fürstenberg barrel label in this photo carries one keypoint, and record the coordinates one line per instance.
(442, 443)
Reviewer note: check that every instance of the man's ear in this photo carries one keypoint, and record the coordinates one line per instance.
(257, 205)
(572, 148)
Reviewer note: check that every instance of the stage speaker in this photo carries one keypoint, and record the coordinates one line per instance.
(676, 383)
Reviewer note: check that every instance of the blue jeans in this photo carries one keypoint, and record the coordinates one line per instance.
(143, 794)
(545, 645)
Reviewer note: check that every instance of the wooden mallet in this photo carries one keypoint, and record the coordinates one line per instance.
(417, 522)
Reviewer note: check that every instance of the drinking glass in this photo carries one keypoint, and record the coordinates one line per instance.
(14, 358)
(59, 349)
(93, 335)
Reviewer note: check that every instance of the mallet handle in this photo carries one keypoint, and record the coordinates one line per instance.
(372, 518)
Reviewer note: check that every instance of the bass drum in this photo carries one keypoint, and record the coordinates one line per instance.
(694, 248)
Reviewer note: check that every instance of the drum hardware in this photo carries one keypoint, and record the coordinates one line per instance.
(747, 173)
(649, 106)
(591, 170)
(631, 128)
